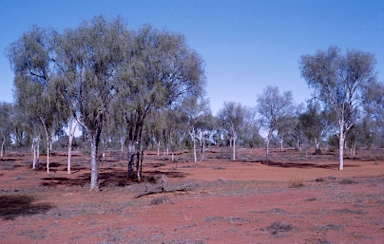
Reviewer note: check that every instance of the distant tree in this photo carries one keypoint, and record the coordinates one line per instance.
(232, 118)
(314, 124)
(360, 134)
(374, 107)
(339, 82)
(273, 109)
(5, 126)
(20, 128)
(194, 113)
(289, 130)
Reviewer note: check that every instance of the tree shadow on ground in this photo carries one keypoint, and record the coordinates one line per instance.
(109, 177)
(173, 174)
(306, 165)
(13, 206)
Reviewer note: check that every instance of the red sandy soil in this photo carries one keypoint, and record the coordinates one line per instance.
(294, 199)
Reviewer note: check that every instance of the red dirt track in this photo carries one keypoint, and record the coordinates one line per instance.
(294, 199)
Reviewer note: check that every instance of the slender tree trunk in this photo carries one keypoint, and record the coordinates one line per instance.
(234, 148)
(36, 155)
(2, 149)
(48, 139)
(71, 133)
(192, 134)
(122, 145)
(317, 143)
(158, 148)
(341, 145)
(201, 142)
(267, 150)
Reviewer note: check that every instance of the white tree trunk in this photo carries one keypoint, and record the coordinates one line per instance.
(341, 145)
(35, 151)
(71, 133)
(193, 138)
(234, 148)
(94, 164)
(317, 143)
(48, 139)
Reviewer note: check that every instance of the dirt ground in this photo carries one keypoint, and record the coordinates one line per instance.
(294, 199)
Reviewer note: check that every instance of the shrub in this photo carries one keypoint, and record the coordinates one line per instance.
(296, 182)
(279, 226)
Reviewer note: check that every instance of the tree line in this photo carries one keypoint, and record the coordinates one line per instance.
(145, 88)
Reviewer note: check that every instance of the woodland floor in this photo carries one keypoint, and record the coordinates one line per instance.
(295, 199)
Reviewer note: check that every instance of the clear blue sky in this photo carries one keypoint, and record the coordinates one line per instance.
(246, 45)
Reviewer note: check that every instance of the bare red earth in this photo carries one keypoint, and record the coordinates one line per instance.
(294, 199)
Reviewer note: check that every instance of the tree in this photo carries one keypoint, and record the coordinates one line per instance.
(273, 108)
(313, 123)
(339, 82)
(232, 118)
(374, 108)
(31, 58)
(5, 126)
(90, 58)
(195, 112)
(161, 72)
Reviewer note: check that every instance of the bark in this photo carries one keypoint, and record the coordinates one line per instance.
(95, 138)
(131, 158)
(234, 148)
(2, 149)
(317, 143)
(192, 134)
(341, 145)
(267, 150)
(36, 155)
(48, 139)
(71, 133)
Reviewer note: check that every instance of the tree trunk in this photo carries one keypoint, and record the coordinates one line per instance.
(131, 159)
(234, 148)
(36, 154)
(192, 134)
(94, 162)
(317, 143)
(158, 148)
(341, 145)
(201, 142)
(2, 149)
(48, 139)
(267, 150)
(71, 134)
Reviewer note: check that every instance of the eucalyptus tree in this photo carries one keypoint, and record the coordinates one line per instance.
(273, 109)
(89, 58)
(339, 81)
(232, 118)
(249, 133)
(314, 123)
(5, 126)
(20, 128)
(194, 113)
(162, 70)
(31, 58)
(374, 107)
